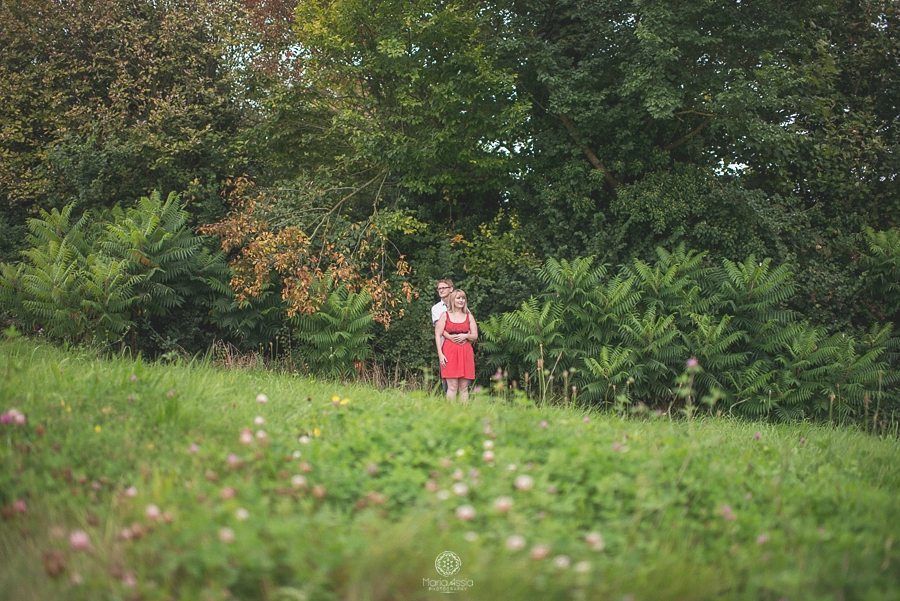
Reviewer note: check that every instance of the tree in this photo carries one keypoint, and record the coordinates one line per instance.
(105, 100)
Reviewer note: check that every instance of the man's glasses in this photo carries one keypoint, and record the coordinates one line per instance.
(443, 287)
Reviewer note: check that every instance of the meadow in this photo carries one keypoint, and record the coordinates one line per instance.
(128, 479)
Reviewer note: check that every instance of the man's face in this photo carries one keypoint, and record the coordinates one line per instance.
(443, 290)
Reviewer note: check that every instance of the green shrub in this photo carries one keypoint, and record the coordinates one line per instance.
(627, 339)
(101, 278)
(334, 339)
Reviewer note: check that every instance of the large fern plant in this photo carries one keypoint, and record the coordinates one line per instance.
(335, 339)
(627, 338)
(101, 277)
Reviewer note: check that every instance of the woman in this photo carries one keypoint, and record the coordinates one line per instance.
(453, 335)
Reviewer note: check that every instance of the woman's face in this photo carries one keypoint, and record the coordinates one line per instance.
(459, 301)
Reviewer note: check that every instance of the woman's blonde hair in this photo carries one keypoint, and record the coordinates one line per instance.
(452, 297)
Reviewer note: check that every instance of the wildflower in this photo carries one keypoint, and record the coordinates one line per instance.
(303, 439)
(442, 495)
(757, 436)
(316, 432)
(539, 552)
(465, 512)
(488, 456)
(20, 506)
(460, 452)
(261, 435)
(345, 401)
(297, 454)
(98, 429)
(194, 448)
(552, 489)
(431, 486)
(319, 491)
(692, 363)
(259, 420)
(524, 482)
(133, 377)
(233, 460)
(226, 535)
(228, 493)
(458, 474)
(562, 562)
(335, 399)
(131, 492)
(583, 567)
(460, 489)
(13, 416)
(246, 436)
(586, 419)
(503, 504)
(488, 445)
(241, 514)
(262, 399)
(471, 536)
(595, 541)
(762, 539)
(152, 512)
(515, 543)
(727, 513)
(372, 469)
(80, 541)
(298, 482)
(543, 424)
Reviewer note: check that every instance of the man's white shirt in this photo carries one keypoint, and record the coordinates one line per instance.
(437, 310)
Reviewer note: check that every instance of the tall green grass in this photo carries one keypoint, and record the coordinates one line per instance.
(353, 492)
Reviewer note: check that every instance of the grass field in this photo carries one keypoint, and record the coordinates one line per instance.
(134, 480)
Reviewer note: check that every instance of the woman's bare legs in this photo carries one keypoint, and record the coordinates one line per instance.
(452, 387)
(464, 390)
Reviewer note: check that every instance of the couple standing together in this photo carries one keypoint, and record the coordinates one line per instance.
(454, 331)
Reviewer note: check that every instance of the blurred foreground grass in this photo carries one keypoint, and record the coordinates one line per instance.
(131, 480)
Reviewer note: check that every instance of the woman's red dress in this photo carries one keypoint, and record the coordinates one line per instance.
(460, 357)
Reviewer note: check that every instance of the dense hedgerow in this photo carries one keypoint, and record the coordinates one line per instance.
(627, 338)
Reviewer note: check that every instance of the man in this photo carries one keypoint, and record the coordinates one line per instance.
(444, 288)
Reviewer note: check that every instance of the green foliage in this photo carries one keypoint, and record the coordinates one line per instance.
(98, 280)
(626, 339)
(335, 339)
(881, 275)
(105, 101)
(626, 506)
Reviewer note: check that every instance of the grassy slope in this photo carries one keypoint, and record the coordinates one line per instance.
(704, 509)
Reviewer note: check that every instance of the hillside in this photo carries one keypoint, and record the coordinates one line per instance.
(125, 479)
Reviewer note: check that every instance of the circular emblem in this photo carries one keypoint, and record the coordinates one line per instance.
(447, 563)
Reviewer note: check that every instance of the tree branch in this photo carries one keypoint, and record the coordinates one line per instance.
(591, 157)
(687, 136)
